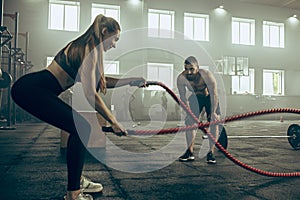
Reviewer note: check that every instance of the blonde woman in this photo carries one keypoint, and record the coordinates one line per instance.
(79, 61)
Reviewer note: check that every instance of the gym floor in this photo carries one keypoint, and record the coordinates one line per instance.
(33, 166)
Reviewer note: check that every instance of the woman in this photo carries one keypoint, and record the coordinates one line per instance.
(80, 60)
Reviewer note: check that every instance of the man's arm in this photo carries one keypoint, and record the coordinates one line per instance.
(211, 83)
(181, 84)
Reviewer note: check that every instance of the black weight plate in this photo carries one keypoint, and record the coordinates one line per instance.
(294, 133)
(223, 140)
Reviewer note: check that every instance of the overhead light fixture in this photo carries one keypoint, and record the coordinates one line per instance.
(220, 11)
(135, 2)
(293, 19)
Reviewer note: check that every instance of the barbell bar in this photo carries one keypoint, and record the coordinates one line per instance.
(260, 136)
(293, 136)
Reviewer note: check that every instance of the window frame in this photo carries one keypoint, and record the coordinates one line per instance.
(280, 82)
(267, 39)
(158, 32)
(106, 64)
(65, 5)
(205, 27)
(242, 79)
(251, 32)
(106, 7)
(161, 65)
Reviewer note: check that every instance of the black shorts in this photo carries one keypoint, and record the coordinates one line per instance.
(197, 103)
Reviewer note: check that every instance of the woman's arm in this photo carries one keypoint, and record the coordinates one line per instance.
(116, 82)
(88, 79)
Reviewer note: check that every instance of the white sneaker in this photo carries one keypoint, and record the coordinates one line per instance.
(81, 196)
(87, 186)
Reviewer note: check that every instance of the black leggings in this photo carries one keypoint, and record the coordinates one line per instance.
(37, 93)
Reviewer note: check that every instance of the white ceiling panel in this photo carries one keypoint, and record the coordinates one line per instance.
(292, 4)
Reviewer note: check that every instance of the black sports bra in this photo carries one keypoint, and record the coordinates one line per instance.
(71, 69)
(61, 59)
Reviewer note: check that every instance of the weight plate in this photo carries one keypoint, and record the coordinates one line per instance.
(294, 136)
(223, 140)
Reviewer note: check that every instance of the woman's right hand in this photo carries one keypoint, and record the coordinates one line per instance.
(139, 82)
(118, 129)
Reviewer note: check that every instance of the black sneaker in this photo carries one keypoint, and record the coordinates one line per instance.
(210, 158)
(187, 156)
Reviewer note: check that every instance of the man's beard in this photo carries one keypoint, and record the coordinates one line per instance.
(192, 77)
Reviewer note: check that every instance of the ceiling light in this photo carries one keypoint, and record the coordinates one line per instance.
(293, 20)
(220, 11)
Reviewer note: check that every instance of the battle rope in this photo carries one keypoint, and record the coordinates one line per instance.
(202, 126)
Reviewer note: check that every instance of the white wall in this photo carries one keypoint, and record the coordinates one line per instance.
(44, 42)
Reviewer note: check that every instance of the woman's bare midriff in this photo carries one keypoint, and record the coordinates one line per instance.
(61, 75)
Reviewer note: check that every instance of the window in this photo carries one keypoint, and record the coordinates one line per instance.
(49, 60)
(204, 67)
(63, 15)
(111, 67)
(107, 10)
(196, 27)
(273, 82)
(160, 23)
(160, 72)
(243, 31)
(243, 84)
(273, 34)
(238, 66)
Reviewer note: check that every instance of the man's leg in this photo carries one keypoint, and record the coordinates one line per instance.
(214, 130)
(190, 139)
(190, 136)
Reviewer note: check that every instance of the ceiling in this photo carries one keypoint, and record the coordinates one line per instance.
(292, 4)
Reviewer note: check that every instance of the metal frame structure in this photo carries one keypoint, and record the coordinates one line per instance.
(16, 62)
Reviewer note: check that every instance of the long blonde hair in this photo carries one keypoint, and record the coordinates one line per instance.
(92, 38)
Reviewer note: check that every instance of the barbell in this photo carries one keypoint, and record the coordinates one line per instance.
(293, 136)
